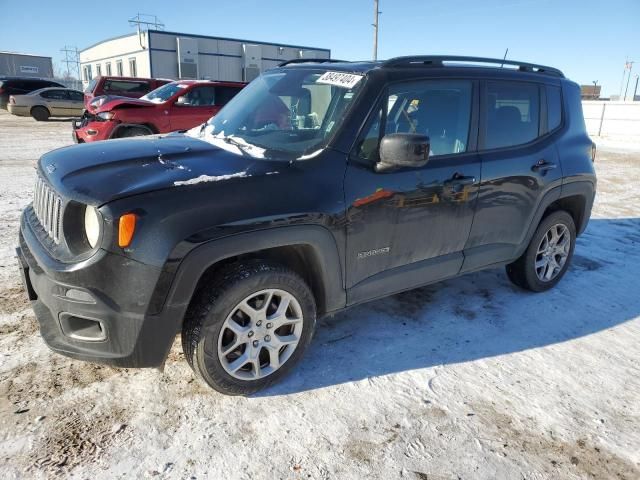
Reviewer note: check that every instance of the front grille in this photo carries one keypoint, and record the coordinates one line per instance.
(47, 206)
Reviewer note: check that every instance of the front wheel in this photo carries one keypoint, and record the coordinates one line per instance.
(548, 255)
(248, 326)
(41, 114)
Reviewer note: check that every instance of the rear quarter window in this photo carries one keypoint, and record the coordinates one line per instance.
(554, 107)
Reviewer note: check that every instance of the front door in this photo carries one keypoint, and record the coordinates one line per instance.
(519, 166)
(408, 227)
(193, 107)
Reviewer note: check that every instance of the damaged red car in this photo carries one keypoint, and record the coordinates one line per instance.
(172, 107)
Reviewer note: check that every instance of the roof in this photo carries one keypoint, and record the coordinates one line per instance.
(191, 35)
(429, 62)
(4, 52)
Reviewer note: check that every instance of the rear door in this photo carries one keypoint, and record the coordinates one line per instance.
(193, 107)
(519, 166)
(408, 227)
(76, 103)
(57, 102)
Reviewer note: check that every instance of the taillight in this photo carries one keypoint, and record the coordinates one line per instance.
(593, 152)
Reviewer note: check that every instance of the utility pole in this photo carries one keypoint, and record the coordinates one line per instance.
(376, 13)
(624, 72)
(595, 89)
(151, 20)
(628, 78)
(635, 90)
(72, 60)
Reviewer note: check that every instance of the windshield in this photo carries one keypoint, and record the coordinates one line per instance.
(163, 93)
(285, 114)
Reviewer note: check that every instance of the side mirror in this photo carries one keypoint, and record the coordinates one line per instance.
(182, 100)
(399, 150)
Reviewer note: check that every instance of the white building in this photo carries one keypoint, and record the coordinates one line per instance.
(161, 54)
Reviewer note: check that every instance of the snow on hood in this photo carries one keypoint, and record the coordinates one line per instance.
(204, 132)
(211, 178)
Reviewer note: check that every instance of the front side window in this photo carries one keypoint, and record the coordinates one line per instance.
(439, 109)
(512, 114)
(286, 114)
(199, 97)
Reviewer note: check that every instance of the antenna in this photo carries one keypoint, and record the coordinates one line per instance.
(505, 57)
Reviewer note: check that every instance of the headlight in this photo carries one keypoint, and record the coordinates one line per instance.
(92, 225)
(98, 102)
(106, 115)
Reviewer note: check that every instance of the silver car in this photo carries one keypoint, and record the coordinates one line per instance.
(47, 102)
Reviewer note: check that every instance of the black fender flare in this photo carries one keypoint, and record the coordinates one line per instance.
(583, 188)
(196, 262)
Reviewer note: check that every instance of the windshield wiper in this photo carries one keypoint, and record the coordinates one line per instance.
(241, 146)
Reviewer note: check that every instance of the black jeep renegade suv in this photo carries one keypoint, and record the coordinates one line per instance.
(321, 185)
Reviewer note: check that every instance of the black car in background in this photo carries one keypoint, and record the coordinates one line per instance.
(20, 86)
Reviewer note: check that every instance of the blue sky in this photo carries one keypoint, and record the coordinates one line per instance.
(587, 39)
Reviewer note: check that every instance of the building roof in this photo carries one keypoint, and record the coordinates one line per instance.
(190, 35)
(3, 52)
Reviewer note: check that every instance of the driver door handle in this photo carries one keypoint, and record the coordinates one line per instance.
(458, 182)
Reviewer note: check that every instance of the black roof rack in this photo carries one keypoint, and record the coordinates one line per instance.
(438, 61)
(310, 60)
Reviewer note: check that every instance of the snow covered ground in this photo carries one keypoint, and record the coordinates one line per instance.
(470, 378)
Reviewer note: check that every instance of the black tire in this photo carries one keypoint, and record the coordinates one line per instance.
(133, 132)
(218, 295)
(41, 114)
(522, 272)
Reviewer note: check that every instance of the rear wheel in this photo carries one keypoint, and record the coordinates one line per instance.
(546, 259)
(41, 114)
(248, 326)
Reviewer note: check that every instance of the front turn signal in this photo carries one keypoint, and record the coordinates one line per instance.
(126, 229)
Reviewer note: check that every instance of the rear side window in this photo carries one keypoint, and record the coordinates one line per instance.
(512, 114)
(554, 107)
(224, 94)
(125, 86)
(55, 94)
(76, 96)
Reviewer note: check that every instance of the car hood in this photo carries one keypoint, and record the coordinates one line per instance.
(113, 102)
(99, 172)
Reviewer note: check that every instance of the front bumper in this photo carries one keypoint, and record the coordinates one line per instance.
(96, 310)
(88, 129)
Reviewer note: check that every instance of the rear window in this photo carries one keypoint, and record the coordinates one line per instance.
(512, 114)
(91, 86)
(125, 86)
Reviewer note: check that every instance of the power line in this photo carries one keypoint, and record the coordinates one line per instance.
(72, 60)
